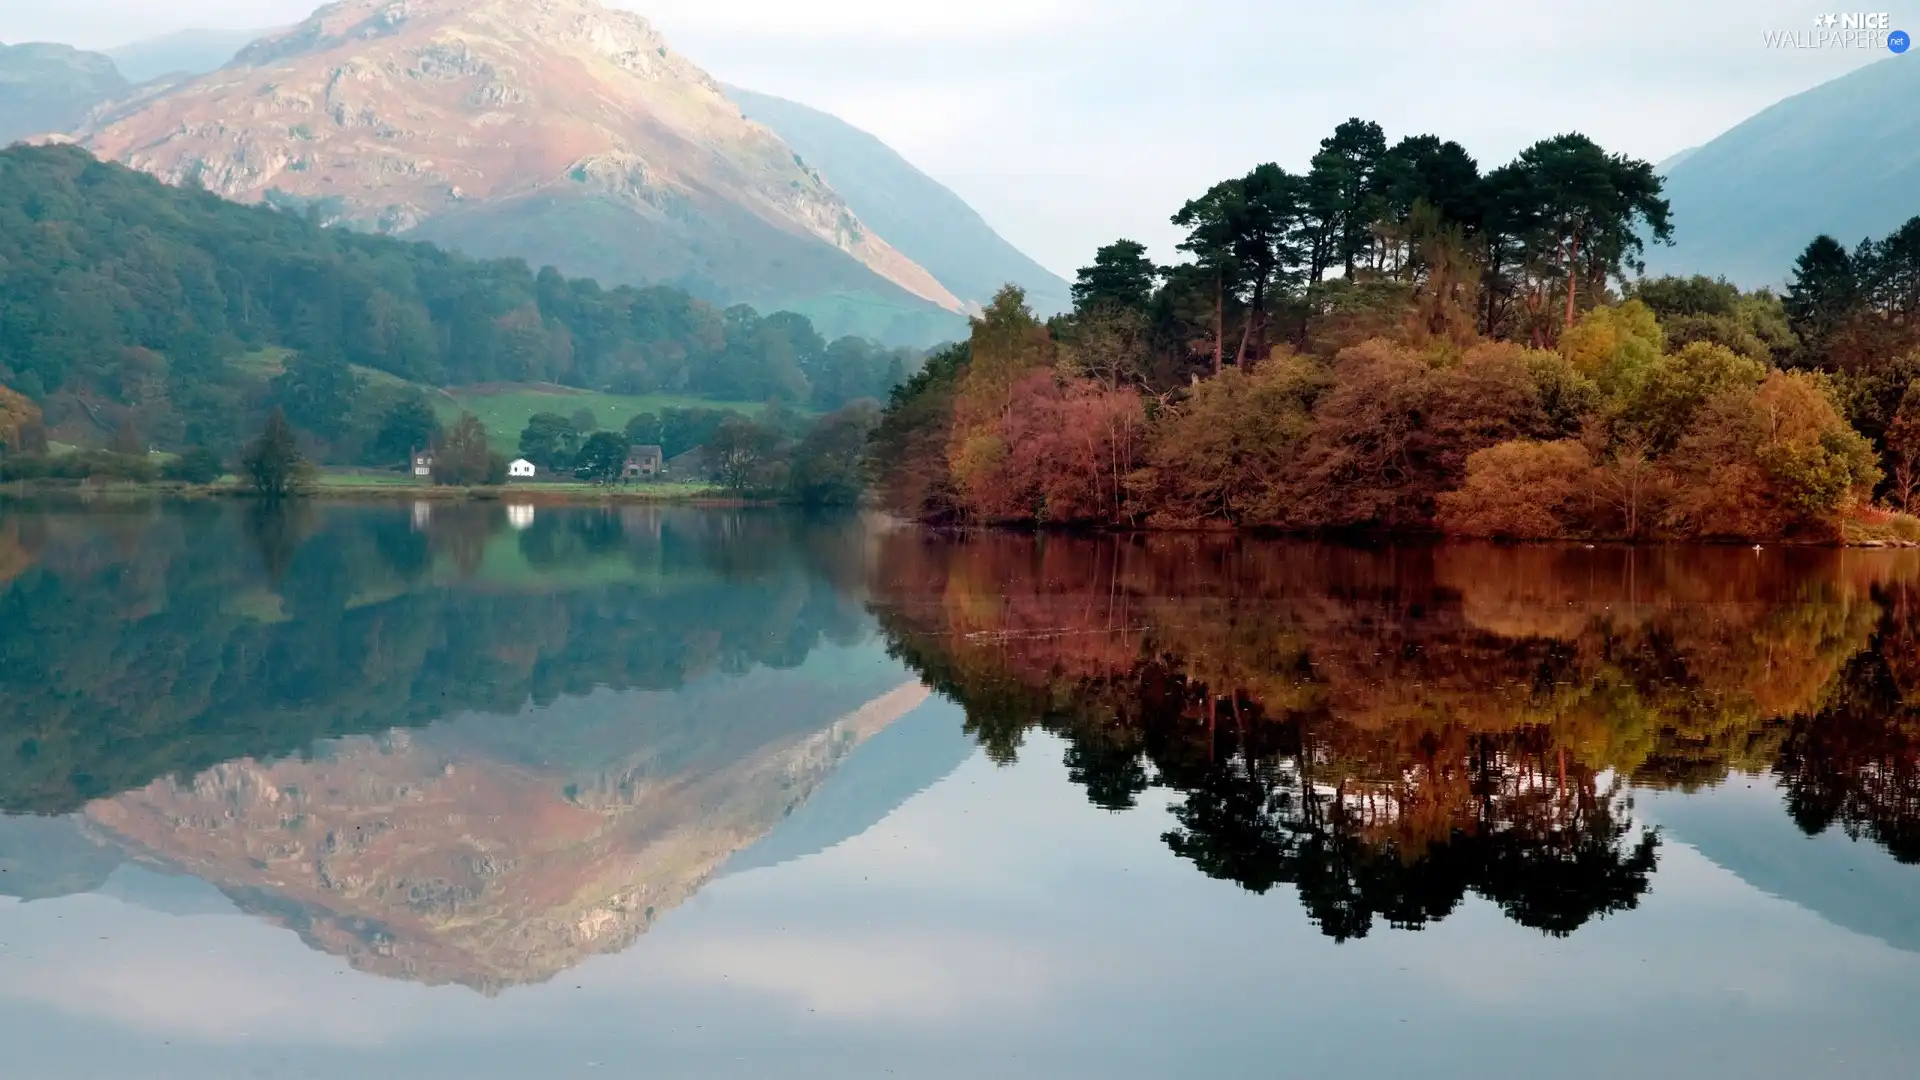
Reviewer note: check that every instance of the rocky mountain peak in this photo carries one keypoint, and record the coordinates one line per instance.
(558, 116)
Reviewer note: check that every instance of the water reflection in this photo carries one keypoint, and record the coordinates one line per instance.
(480, 744)
(447, 750)
(1388, 731)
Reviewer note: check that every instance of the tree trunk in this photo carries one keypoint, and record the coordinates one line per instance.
(1573, 275)
(1219, 320)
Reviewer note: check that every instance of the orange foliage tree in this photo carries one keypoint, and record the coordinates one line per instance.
(17, 414)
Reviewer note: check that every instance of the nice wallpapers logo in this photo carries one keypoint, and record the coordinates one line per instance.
(1844, 30)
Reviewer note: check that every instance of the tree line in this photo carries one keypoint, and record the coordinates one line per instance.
(1395, 340)
(128, 303)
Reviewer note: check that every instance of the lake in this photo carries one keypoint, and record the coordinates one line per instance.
(471, 790)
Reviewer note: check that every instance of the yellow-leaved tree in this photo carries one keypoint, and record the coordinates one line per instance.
(1008, 343)
(17, 413)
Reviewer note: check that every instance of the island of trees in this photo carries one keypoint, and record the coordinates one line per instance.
(1395, 340)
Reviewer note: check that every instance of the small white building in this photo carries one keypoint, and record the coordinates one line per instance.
(423, 465)
(521, 469)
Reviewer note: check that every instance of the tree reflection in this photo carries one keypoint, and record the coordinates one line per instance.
(1389, 731)
(135, 645)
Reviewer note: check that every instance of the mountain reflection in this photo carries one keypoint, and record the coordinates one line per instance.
(444, 744)
(1388, 731)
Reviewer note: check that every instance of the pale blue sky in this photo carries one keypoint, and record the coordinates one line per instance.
(1070, 122)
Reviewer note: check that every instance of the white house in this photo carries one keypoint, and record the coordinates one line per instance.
(423, 464)
(521, 469)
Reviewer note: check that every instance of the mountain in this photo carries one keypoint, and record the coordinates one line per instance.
(556, 131)
(186, 52)
(1842, 158)
(1850, 883)
(439, 857)
(916, 213)
(51, 88)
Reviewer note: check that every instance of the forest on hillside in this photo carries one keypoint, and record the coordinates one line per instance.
(168, 317)
(1397, 340)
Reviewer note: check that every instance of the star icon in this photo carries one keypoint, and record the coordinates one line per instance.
(1830, 21)
(1817, 21)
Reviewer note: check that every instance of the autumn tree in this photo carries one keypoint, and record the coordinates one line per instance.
(1007, 344)
(1521, 490)
(17, 413)
(1231, 451)
(746, 457)
(126, 439)
(1072, 446)
(1770, 461)
(462, 458)
(1108, 344)
(1903, 451)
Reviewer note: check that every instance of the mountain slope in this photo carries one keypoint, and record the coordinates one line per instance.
(50, 88)
(553, 130)
(921, 217)
(186, 52)
(1748, 202)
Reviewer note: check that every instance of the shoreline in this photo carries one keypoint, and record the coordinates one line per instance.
(530, 495)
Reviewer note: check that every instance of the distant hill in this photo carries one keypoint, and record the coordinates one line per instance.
(169, 333)
(563, 132)
(1842, 158)
(927, 222)
(187, 52)
(48, 89)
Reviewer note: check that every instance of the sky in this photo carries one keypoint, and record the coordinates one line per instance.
(1070, 123)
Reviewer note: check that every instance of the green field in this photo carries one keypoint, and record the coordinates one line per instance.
(506, 409)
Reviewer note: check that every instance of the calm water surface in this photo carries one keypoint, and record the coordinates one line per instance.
(481, 791)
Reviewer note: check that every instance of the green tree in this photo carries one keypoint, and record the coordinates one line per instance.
(1824, 294)
(462, 459)
(407, 428)
(602, 457)
(1121, 275)
(645, 429)
(196, 465)
(1213, 224)
(584, 421)
(318, 393)
(829, 463)
(273, 465)
(1588, 213)
(1341, 197)
(550, 441)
